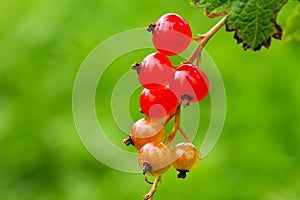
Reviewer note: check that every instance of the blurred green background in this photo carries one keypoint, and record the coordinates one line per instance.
(43, 44)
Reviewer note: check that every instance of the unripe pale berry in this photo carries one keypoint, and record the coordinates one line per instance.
(186, 157)
(147, 130)
(154, 158)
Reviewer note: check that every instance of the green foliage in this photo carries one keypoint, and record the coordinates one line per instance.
(214, 8)
(292, 26)
(43, 44)
(254, 21)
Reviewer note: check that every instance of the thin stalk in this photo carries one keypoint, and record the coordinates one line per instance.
(204, 39)
(171, 116)
(175, 127)
(150, 194)
(184, 134)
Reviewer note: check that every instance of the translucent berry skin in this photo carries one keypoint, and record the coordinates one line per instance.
(189, 83)
(154, 158)
(145, 131)
(172, 34)
(156, 71)
(158, 103)
(186, 157)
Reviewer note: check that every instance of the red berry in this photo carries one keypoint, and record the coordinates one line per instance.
(158, 103)
(171, 34)
(155, 71)
(155, 158)
(190, 83)
(145, 131)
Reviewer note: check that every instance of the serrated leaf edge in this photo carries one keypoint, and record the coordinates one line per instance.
(267, 43)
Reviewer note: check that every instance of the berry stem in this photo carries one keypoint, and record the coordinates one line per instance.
(150, 194)
(184, 134)
(146, 179)
(175, 127)
(204, 39)
(171, 116)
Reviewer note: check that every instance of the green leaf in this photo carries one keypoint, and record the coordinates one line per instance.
(293, 26)
(253, 21)
(213, 8)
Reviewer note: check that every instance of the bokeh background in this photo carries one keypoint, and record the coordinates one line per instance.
(42, 45)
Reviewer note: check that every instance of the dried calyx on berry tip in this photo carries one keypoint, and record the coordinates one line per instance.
(128, 141)
(146, 167)
(182, 173)
(186, 99)
(151, 28)
(136, 66)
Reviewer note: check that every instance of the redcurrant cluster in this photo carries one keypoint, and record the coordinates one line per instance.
(166, 87)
